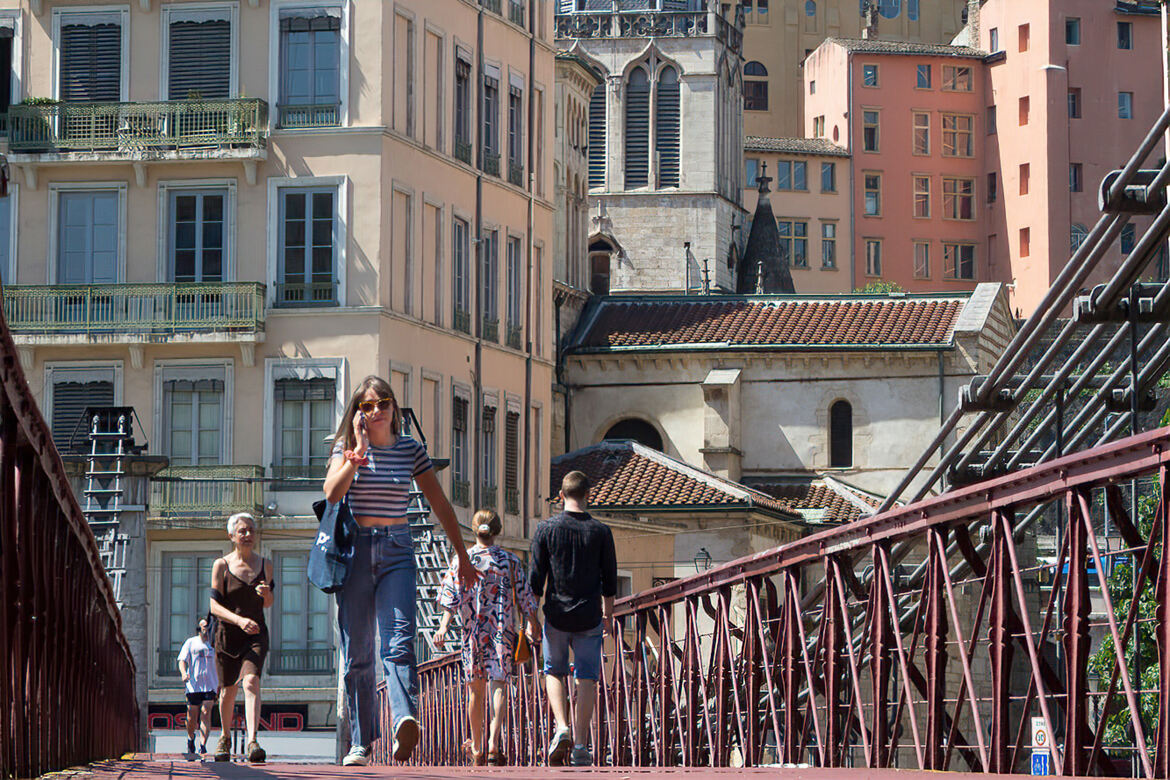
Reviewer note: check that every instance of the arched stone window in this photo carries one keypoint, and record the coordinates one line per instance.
(666, 127)
(840, 435)
(638, 129)
(638, 430)
(810, 8)
(600, 252)
(890, 8)
(755, 87)
(597, 137)
(912, 10)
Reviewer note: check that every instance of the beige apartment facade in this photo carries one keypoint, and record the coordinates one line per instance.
(224, 215)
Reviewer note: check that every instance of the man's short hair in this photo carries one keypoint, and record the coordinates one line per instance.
(575, 485)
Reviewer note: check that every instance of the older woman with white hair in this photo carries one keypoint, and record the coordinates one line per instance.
(241, 589)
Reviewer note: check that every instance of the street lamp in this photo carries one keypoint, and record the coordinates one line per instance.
(702, 560)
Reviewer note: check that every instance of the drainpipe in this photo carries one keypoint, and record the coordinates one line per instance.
(942, 389)
(525, 493)
(852, 179)
(477, 375)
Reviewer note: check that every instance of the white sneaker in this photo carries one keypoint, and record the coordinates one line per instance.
(406, 735)
(357, 756)
(558, 747)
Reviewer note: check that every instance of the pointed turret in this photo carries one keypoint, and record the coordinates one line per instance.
(764, 266)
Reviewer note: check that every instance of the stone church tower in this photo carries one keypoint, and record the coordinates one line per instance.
(665, 159)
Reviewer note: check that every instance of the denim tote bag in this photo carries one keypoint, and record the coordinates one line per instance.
(332, 552)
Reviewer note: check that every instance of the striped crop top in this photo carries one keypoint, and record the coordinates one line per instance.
(381, 487)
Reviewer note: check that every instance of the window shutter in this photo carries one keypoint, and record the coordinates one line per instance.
(91, 63)
(200, 59)
(512, 451)
(489, 419)
(637, 130)
(597, 137)
(70, 400)
(319, 389)
(667, 128)
(460, 415)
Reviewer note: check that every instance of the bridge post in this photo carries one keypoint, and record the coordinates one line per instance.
(936, 651)
(1162, 594)
(790, 671)
(834, 641)
(1003, 625)
(1076, 639)
(881, 641)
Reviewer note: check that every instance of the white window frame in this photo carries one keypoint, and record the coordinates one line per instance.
(120, 13)
(81, 368)
(11, 17)
(176, 12)
(459, 390)
(299, 368)
(341, 215)
(275, 7)
(55, 190)
(169, 368)
(434, 444)
(165, 188)
(13, 226)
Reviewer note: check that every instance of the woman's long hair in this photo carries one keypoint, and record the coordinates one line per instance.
(382, 388)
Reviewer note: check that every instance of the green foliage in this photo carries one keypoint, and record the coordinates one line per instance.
(880, 286)
(1118, 727)
(39, 101)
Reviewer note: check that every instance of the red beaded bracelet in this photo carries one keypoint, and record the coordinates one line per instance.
(355, 459)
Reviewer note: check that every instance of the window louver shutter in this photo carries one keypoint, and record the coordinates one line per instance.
(460, 415)
(512, 451)
(597, 137)
(200, 60)
(70, 400)
(667, 129)
(91, 63)
(637, 130)
(319, 389)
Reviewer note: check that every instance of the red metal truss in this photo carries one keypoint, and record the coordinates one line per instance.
(822, 652)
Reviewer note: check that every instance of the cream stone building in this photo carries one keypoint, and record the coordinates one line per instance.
(225, 214)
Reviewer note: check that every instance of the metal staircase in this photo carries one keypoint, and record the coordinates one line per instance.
(110, 438)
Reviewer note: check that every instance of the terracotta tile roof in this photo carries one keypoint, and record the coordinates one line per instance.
(880, 46)
(626, 474)
(769, 321)
(817, 499)
(819, 146)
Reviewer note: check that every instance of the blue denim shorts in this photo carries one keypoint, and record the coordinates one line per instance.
(587, 646)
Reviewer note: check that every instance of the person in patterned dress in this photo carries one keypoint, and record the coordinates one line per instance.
(489, 630)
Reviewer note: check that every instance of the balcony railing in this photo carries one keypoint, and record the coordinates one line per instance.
(491, 163)
(320, 115)
(138, 128)
(462, 320)
(463, 151)
(168, 661)
(516, 174)
(638, 24)
(489, 495)
(514, 336)
(491, 329)
(516, 13)
(207, 491)
(294, 294)
(461, 492)
(149, 309)
(299, 477)
(302, 660)
(512, 501)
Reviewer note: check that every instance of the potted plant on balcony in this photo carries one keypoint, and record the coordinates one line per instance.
(33, 132)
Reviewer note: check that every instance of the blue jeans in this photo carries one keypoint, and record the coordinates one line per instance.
(586, 645)
(380, 586)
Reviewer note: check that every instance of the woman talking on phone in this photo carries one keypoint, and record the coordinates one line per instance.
(372, 466)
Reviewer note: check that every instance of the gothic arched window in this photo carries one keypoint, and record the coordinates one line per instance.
(638, 129)
(890, 8)
(597, 137)
(840, 435)
(755, 87)
(666, 127)
(810, 8)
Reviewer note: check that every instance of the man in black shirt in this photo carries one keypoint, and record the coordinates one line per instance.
(574, 553)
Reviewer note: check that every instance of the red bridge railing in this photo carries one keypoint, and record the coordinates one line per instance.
(926, 636)
(67, 680)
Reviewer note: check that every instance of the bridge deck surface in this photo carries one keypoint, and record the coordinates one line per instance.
(176, 767)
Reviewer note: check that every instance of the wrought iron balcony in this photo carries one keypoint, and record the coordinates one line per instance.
(489, 496)
(516, 174)
(512, 501)
(294, 294)
(140, 130)
(514, 336)
(299, 477)
(463, 151)
(141, 311)
(491, 163)
(206, 492)
(320, 115)
(491, 329)
(462, 320)
(302, 660)
(461, 492)
(516, 13)
(648, 23)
